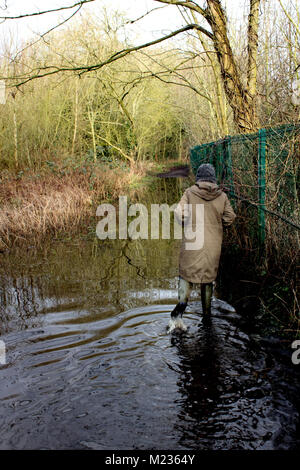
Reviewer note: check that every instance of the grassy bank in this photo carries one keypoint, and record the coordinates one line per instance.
(36, 205)
(60, 201)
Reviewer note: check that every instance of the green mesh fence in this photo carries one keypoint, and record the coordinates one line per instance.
(260, 172)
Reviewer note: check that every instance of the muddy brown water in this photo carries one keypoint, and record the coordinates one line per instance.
(89, 364)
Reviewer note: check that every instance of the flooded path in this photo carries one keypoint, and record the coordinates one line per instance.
(90, 366)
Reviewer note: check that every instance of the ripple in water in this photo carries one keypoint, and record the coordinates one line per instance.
(92, 367)
(122, 382)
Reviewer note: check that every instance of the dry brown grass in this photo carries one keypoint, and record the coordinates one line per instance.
(32, 207)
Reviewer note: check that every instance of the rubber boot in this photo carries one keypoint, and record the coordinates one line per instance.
(206, 295)
(178, 310)
(176, 322)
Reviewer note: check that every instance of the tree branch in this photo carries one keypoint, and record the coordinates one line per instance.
(296, 26)
(82, 2)
(113, 58)
(252, 47)
(188, 4)
(143, 16)
(42, 36)
(174, 71)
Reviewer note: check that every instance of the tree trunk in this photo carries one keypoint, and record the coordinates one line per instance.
(242, 100)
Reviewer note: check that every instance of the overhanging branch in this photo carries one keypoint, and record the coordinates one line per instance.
(37, 13)
(186, 3)
(112, 58)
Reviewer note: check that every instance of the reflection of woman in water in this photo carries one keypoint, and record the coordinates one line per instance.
(198, 381)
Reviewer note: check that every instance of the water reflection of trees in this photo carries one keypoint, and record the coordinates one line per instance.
(88, 274)
(114, 275)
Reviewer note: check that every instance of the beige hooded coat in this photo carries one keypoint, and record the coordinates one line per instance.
(200, 265)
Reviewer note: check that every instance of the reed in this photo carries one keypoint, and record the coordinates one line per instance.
(33, 207)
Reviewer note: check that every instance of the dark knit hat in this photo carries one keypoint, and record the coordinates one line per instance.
(206, 172)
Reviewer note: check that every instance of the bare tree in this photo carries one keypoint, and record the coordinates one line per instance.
(241, 97)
